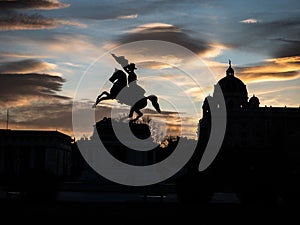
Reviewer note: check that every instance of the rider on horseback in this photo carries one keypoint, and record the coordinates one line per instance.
(133, 94)
(130, 71)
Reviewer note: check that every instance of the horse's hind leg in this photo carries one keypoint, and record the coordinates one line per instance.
(131, 112)
(140, 114)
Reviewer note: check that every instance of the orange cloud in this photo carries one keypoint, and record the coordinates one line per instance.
(197, 93)
(292, 59)
(6, 55)
(154, 65)
(77, 44)
(277, 69)
(174, 124)
(215, 50)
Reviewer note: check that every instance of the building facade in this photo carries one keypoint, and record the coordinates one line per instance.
(24, 150)
(250, 126)
(260, 150)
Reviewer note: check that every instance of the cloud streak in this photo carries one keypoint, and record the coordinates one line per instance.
(25, 89)
(26, 66)
(12, 19)
(287, 47)
(13, 55)
(17, 21)
(50, 115)
(273, 37)
(249, 21)
(277, 69)
(165, 32)
(132, 16)
(32, 4)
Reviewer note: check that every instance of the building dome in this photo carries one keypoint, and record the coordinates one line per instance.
(254, 102)
(232, 85)
(233, 89)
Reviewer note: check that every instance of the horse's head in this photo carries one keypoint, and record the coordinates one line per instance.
(118, 75)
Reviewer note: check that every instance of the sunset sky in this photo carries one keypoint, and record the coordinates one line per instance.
(55, 53)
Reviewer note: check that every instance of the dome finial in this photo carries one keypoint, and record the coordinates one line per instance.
(230, 71)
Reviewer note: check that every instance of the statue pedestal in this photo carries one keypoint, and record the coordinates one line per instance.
(105, 130)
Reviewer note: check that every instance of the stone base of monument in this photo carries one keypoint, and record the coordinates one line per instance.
(109, 132)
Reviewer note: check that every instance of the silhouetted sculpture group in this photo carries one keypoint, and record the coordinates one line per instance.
(127, 91)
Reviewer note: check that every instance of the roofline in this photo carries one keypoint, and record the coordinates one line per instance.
(36, 131)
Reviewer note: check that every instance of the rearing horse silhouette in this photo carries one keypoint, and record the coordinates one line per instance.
(132, 95)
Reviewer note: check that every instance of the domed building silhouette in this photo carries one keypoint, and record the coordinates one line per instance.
(229, 89)
(234, 90)
(249, 125)
(260, 151)
(254, 102)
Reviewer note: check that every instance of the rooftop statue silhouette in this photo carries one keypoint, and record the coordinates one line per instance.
(127, 91)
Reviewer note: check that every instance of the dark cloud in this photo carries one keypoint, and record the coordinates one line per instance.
(31, 4)
(34, 102)
(23, 66)
(12, 19)
(283, 36)
(15, 88)
(166, 33)
(278, 38)
(103, 10)
(288, 41)
(286, 47)
(18, 21)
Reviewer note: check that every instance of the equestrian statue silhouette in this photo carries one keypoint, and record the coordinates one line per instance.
(129, 93)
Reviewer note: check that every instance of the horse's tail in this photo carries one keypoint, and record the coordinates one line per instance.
(154, 102)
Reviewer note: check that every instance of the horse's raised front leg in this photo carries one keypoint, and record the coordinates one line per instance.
(106, 98)
(99, 99)
(103, 93)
